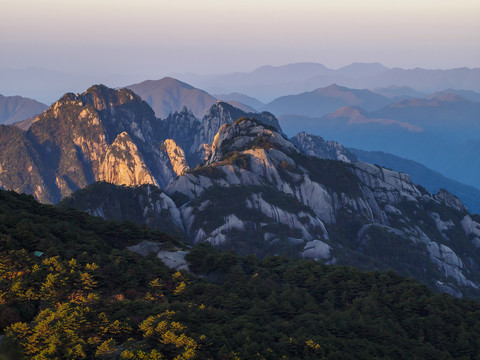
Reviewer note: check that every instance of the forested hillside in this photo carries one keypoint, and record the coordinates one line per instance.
(69, 289)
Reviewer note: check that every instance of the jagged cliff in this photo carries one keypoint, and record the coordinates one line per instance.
(255, 191)
(194, 136)
(316, 146)
(107, 135)
(102, 134)
(258, 193)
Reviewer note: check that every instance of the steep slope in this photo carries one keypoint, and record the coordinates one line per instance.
(223, 113)
(73, 287)
(17, 108)
(146, 204)
(102, 134)
(312, 145)
(258, 194)
(123, 164)
(422, 175)
(169, 95)
(183, 127)
(322, 101)
(22, 167)
(195, 136)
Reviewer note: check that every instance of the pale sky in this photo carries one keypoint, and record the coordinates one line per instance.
(159, 37)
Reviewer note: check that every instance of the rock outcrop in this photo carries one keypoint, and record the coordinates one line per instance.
(123, 165)
(312, 145)
(102, 134)
(177, 157)
(256, 185)
(254, 191)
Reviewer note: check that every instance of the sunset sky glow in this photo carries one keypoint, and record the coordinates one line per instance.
(211, 36)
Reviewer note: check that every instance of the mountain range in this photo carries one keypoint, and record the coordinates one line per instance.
(265, 83)
(441, 131)
(445, 114)
(441, 121)
(256, 193)
(208, 230)
(79, 139)
(322, 101)
(269, 82)
(234, 180)
(167, 96)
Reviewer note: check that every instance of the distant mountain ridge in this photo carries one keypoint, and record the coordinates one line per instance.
(322, 101)
(441, 131)
(244, 99)
(16, 108)
(269, 82)
(169, 95)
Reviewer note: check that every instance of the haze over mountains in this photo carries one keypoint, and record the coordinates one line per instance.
(167, 96)
(322, 101)
(382, 119)
(269, 82)
(441, 131)
(248, 182)
(265, 83)
(17, 108)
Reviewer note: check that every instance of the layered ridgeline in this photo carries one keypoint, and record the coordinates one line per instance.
(257, 193)
(442, 131)
(105, 135)
(254, 191)
(73, 287)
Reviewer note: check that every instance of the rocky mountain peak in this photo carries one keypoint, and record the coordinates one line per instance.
(100, 97)
(246, 133)
(103, 97)
(177, 157)
(316, 146)
(124, 165)
(450, 200)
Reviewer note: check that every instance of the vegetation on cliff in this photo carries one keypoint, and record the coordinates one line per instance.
(69, 289)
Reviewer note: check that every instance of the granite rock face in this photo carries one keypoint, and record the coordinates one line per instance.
(101, 134)
(239, 183)
(255, 180)
(123, 164)
(312, 145)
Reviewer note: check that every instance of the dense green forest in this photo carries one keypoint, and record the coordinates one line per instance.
(69, 289)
